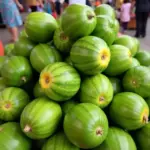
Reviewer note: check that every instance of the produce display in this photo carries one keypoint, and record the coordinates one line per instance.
(74, 84)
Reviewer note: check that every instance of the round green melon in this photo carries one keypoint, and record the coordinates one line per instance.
(2, 84)
(137, 42)
(40, 118)
(137, 80)
(37, 91)
(86, 125)
(60, 81)
(97, 90)
(2, 60)
(117, 26)
(117, 139)
(135, 63)
(12, 102)
(16, 71)
(9, 49)
(120, 61)
(143, 57)
(90, 55)
(23, 47)
(59, 141)
(40, 27)
(116, 83)
(142, 137)
(106, 29)
(68, 61)
(128, 42)
(78, 21)
(62, 41)
(68, 105)
(129, 110)
(105, 9)
(42, 55)
(12, 138)
(23, 34)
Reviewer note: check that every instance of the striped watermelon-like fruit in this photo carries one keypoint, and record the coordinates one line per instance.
(59, 141)
(97, 90)
(12, 102)
(16, 71)
(60, 81)
(11, 137)
(42, 55)
(90, 55)
(86, 125)
(62, 42)
(117, 139)
(78, 21)
(23, 47)
(40, 118)
(40, 27)
(120, 62)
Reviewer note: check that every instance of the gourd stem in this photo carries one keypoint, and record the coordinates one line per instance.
(24, 79)
(99, 131)
(27, 128)
(145, 119)
(90, 17)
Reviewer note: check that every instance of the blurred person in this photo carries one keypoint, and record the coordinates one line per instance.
(77, 2)
(11, 16)
(34, 4)
(142, 13)
(58, 7)
(125, 13)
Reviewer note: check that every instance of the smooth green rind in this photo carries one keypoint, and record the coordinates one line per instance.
(106, 28)
(137, 42)
(117, 85)
(23, 34)
(37, 91)
(16, 71)
(23, 47)
(68, 105)
(78, 21)
(135, 63)
(59, 141)
(142, 137)
(42, 55)
(86, 126)
(137, 80)
(117, 139)
(105, 9)
(117, 26)
(12, 102)
(9, 49)
(40, 27)
(86, 55)
(120, 61)
(129, 110)
(128, 42)
(65, 81)
(12, 138)
(2, 60)
(2, 84)
(61, 41)
(143, 57)
(40, 118)
(97, 90)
